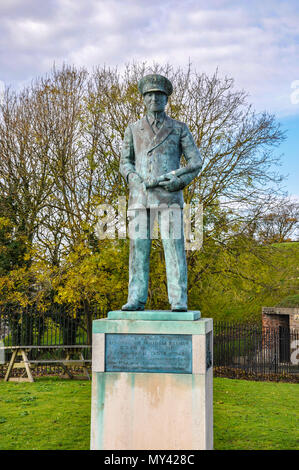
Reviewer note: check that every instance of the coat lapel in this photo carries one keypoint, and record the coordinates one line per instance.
(145, 127)
(163, 133)
(156, 139)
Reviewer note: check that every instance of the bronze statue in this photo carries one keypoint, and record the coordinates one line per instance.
(150, 163)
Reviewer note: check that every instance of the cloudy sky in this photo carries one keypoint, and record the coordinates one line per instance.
(255, 42)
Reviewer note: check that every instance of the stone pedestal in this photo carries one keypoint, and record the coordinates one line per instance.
(152, 384)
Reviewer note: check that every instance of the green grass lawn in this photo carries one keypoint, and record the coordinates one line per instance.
(55, 414)
(255, 415)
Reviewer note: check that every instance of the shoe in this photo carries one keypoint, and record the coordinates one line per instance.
(131, 306)
(179, 308)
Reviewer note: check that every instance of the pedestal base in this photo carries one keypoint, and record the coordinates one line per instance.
(152, 384)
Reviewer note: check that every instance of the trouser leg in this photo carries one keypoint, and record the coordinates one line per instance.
(175, 260)
(139, 258)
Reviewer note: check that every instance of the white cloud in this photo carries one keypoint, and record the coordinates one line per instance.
(2, 89)
(254, 42)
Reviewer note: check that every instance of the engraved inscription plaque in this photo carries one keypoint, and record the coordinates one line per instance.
(148, 353)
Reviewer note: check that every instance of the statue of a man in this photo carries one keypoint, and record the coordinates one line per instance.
(150, 163)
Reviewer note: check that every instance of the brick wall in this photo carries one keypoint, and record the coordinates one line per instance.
(274, 317)
(275, 321)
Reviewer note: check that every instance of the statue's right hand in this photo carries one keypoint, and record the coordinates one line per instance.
(134, 178)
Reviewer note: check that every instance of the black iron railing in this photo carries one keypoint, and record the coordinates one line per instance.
(238, 348)
(255, 350)
(56, 325)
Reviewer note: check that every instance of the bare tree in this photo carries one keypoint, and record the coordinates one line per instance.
(25, 180)
(60, 144)
(280, 224)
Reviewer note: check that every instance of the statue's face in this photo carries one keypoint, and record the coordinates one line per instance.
(155, 101)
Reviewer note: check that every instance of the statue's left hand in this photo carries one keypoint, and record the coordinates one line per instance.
(171, 183)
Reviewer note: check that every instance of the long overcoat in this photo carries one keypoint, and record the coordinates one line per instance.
(152, 155)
